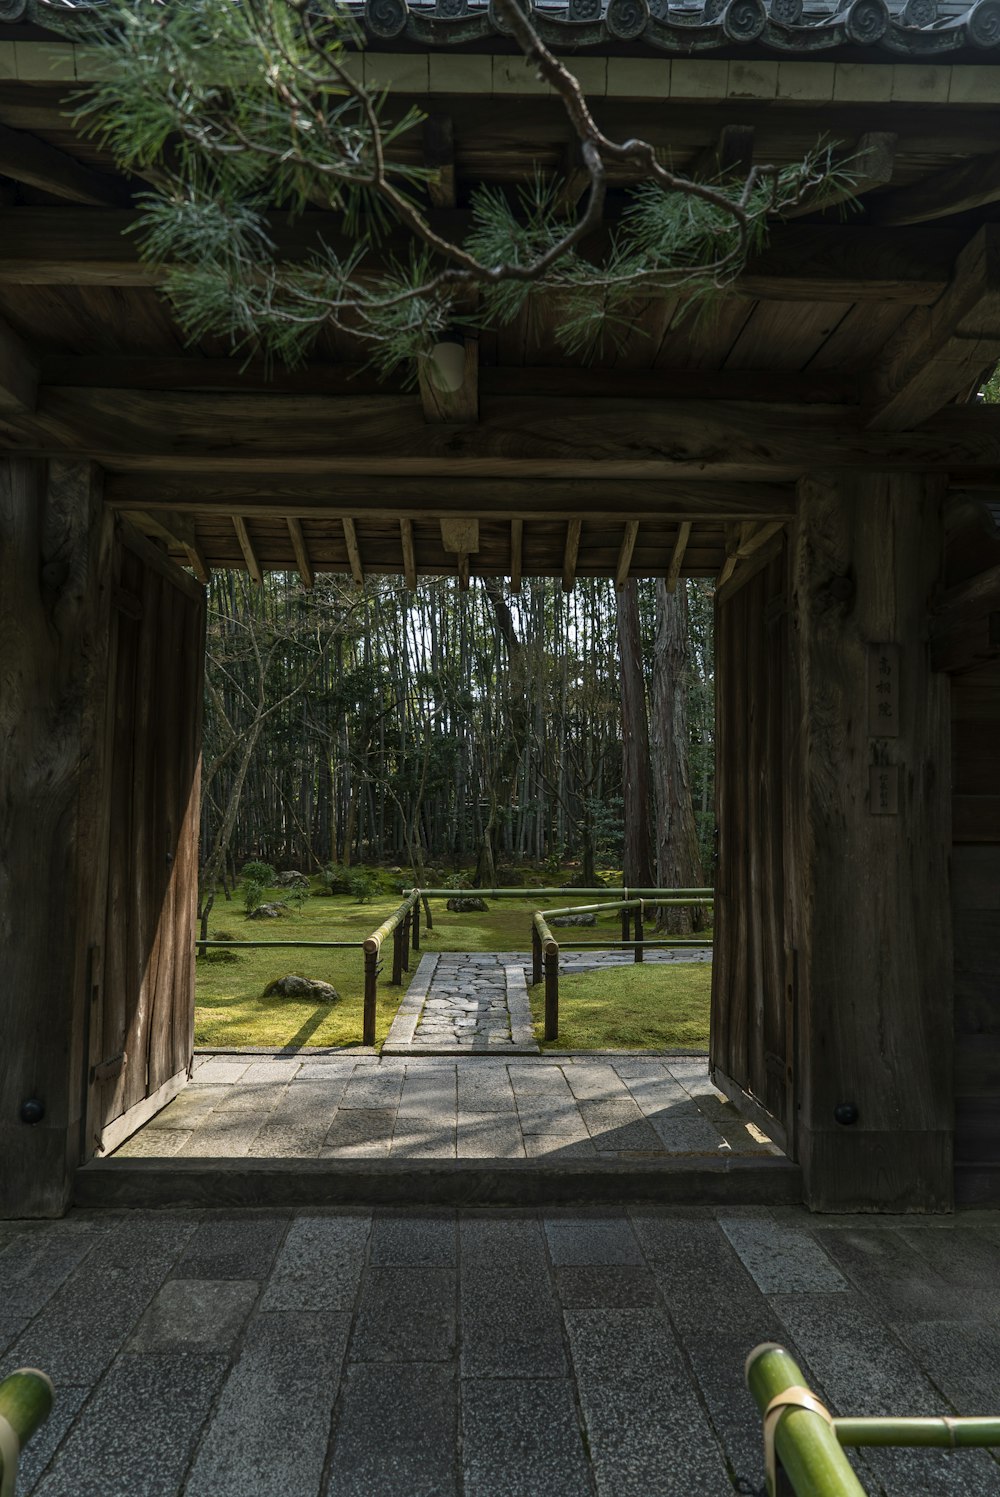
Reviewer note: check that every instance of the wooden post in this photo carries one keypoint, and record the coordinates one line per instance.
(626, 924)
(397, 955)
(552, 991)
(536, 956)
(638, 931)
(867, 844)
(407, 919)
(371, 996)
(56, 544)
(427, 911)
(416, 925)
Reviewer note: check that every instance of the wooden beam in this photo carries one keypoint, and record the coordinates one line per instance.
(954, 189)
(940, 352)
(461, 405)
(572, 550)
(353, 552)
(516, 548)
(25, 158)
(409, 554)
(18, 374)
(625, 554)
(812, 262)
(301, 551)
(677, 555)
(249, 554)
(178, 530)
(439, 158)
(729, 155)
(869, 165)
(574, 180)
(735, 534)
(754, 536)
(965, 625)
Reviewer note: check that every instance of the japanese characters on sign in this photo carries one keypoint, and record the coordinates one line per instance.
(883, 691)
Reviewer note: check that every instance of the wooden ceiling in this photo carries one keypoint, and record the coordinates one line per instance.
(856, 339)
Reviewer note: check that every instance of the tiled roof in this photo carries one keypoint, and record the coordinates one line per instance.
(920, 29)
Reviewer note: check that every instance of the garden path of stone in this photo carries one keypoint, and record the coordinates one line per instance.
(478, 1001)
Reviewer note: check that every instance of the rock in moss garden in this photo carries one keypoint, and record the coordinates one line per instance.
(293, 879)
(302, 987)
(573, 920)
(467, 905)
(269, 911)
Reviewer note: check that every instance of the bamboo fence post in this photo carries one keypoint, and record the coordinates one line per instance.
(536, 956)
(638, 932)
(800, 1434)
(551, 991)
(371, 994)
(25, 1402)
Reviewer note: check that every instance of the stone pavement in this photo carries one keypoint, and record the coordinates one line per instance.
(594, 1105)
(478, 1001)
(359, 1353)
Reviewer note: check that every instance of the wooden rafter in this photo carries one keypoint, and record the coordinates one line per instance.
(954, 189)
(814, 262)
(353, 552)
(34, 162)
(625, 553)
(461, 405)
(571, 553)
(733, 537)
(940, 352)
(249, 554)
(730, 154)
(18, 373)
(301, 551)
(461, 539)
(869, 165)
(677, 555)
(409, 554)
(516, 549)
(177, 530)
(439, 158)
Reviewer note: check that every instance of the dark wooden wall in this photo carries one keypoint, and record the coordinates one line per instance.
(749, 1044)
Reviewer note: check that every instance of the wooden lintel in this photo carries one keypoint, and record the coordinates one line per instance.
(729, 155)
(301, 551)
(178, 530)
(677, 555)
(249, 554)
(812, 262)
(953, 189)
(572, 550)
(25, 158)
(460, 405)
(18, 373)
(353, 552)
(409, 554)
(625, 554)
(318, 497)
(869, 165)
(516, 549)
(439, 159)
(941, 352)
(460, 536)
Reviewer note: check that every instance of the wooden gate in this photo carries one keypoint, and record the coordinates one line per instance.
(141, 980)
(752, 1033)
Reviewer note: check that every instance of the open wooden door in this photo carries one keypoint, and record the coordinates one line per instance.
(141, 980)
(752, 1030)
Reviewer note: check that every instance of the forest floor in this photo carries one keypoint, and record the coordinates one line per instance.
(633, 1007)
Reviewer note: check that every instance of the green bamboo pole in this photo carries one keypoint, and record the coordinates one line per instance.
(617, 904)
(936, 1434)
(25, 1402)
(805, 1441)
(332, 945)
(678, 941)
(656, 896)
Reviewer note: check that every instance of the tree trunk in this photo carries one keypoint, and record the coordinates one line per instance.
(677, 856)
(637, 867)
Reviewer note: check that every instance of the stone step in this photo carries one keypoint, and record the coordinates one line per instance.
(682, 1180)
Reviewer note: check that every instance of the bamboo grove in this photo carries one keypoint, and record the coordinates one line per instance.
(449, 730)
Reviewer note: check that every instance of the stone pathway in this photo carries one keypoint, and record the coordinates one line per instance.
(417, 1353)
(589, 1106)
(478, 1001)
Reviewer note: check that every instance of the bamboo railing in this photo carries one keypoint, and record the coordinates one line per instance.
(25, 1402)
(401, 924)
(804, 1444)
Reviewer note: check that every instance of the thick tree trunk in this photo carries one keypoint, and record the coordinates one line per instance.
(678, 863)
(637, 868)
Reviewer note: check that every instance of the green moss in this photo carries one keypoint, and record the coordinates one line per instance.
(652, 1006)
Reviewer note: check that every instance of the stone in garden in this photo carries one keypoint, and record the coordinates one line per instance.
(291, 880)
(467, 904)
(302, 987)
(268, 911)
(573, 920)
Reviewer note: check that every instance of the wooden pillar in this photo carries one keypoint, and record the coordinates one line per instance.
(55, 555)
(867, 847)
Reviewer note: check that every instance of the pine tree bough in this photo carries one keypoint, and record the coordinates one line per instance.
(233, 111)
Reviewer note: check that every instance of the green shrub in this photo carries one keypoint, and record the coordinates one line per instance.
(335, 879)
(256, 877)
(365, 883)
